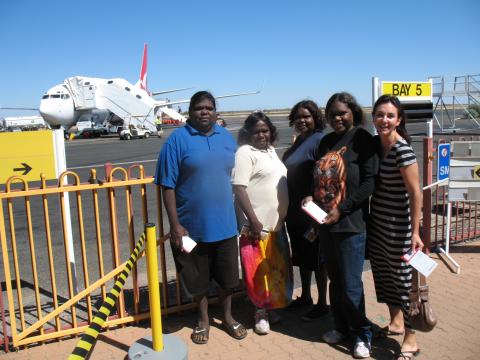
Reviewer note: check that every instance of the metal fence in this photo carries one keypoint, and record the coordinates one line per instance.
(464, 223)
(54, 273)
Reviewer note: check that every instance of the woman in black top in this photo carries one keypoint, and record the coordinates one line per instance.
(309, 122)
(344, 181)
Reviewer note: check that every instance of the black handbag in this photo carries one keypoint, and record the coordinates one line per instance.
(421, 315)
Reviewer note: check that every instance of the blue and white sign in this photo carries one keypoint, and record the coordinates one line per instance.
(443, 168)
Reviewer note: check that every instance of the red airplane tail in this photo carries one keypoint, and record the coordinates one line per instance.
(143, 71)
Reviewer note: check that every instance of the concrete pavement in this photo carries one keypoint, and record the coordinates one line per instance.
(455, 299)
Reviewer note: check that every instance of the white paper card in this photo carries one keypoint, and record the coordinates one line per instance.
(188, 244)
(420, 261)
(315, 211)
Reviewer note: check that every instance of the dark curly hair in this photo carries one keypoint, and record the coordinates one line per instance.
(385, 99)
(313, 109)
(348, 100)
(246, 132)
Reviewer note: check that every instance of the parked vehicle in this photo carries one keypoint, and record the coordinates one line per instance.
(88, 133)
(134, 132)
(221, 121)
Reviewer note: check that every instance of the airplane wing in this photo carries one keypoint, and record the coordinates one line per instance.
(165, 103)
(170, 91)
(239, 94)
(17, 108)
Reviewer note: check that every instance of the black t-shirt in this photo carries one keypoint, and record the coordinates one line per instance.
(361, 163)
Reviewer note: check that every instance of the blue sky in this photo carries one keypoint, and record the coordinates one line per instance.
(290, 49)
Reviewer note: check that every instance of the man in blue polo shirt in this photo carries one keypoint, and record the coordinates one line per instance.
(194, 169)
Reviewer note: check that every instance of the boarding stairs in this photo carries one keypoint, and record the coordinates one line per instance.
(453, 98)
(128, 102)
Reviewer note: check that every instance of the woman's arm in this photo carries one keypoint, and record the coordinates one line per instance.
(241, 196)
(176, 229)
(411, 181)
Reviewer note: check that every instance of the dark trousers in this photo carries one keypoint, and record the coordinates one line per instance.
(345, 254)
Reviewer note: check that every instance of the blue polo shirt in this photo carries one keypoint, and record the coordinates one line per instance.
(198, 168)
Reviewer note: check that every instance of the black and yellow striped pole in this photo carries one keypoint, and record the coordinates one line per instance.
(88, 339)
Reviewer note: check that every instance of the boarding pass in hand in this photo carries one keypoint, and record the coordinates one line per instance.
(315, 211)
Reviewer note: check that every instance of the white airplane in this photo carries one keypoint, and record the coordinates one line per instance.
(115, 101)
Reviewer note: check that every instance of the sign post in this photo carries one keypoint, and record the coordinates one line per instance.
(30, 153)
(27, 154)
(61, 166)
(416, 98)
(408, 91)
(443, 163)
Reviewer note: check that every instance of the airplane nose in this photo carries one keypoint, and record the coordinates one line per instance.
(48, 112)
(57, 112)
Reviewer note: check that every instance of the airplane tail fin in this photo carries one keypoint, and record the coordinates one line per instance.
(142, 82)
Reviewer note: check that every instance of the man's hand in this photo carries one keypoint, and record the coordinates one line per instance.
(176, 233)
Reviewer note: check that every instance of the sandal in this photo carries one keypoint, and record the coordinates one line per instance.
(236, 330)
(407, 355)
(200, 335)
(385, 331)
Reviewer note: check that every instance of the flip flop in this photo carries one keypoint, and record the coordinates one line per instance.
(236, 330)
(200, 335)
(385, 331)
(407, 355)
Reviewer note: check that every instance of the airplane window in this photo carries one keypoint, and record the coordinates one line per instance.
(127, 88)
(110, 82)
(139, 97)
(55, 96)
(45, 96)
(87, 83)
(67, 96)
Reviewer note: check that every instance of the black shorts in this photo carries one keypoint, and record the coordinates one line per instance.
(208, 261)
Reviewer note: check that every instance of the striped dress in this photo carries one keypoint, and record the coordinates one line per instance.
(390, 230)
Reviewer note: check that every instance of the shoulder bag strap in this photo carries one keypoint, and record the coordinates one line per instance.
(414, 280)
(423, 280)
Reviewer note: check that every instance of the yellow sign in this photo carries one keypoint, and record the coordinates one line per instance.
(27, 154)
(407, 89)
(476, 172)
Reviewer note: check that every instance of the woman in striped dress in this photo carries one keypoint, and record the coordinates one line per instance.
(394, 220)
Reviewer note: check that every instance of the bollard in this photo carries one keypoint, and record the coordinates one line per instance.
(157, 346)
(154, 291)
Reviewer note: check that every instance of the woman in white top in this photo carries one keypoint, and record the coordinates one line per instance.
(260, 186)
